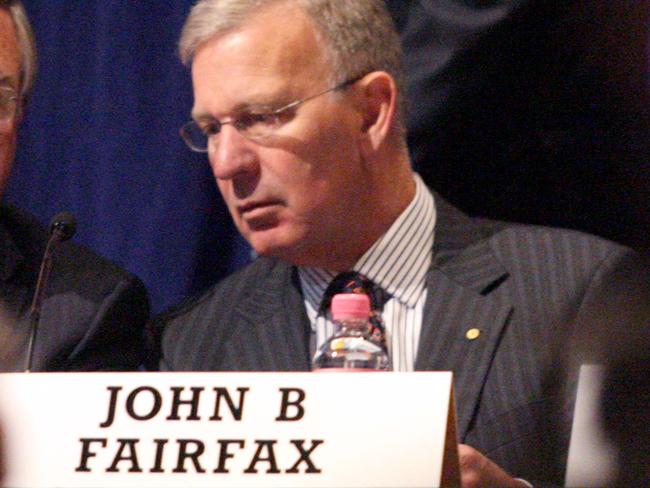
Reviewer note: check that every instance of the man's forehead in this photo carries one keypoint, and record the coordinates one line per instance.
(279, 37)
(9, 51)
(268, 58)
(240, 93)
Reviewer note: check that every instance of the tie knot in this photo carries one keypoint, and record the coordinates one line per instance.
(354, 282)
(351, 282)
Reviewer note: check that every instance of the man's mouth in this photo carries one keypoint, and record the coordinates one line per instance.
(260, 213)
(252, 207)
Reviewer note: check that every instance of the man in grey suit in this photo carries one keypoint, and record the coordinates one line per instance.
(92, 313)
(298, 106)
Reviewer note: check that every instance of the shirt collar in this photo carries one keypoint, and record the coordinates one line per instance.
(398, 261)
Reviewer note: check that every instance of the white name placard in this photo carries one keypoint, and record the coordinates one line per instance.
(227, 429)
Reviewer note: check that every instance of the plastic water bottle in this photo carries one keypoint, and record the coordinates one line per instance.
(351, 348)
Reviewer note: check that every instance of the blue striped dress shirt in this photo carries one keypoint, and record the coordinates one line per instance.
(398, 262)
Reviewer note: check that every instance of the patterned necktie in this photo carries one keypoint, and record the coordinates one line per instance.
(353, 282)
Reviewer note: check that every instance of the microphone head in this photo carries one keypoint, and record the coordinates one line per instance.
(64, 224)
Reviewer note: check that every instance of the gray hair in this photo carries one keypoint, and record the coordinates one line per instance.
(26, 44)
(359, 35)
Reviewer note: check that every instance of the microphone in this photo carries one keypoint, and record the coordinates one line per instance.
(62, 227)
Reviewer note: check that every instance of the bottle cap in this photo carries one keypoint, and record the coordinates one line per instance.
(350, 305)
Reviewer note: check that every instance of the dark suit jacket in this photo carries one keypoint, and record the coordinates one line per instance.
(517, 284)
(92, 315)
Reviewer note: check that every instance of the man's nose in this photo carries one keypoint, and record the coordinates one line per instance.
(232, 155)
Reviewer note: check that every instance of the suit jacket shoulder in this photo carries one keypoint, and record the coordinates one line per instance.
(257, 309)
(519, 289)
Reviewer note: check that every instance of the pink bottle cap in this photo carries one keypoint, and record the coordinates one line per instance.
(350, 305)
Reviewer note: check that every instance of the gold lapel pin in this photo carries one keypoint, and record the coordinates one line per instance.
(472, 334)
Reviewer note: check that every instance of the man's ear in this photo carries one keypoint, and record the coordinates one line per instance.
(378, 93)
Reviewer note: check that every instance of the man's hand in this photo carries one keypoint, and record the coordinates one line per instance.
(477, 471)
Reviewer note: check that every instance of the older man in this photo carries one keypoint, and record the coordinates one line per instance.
(92, 312)
(298, 107)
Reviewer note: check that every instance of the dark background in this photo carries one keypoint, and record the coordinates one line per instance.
(524, 112)
(533, 110)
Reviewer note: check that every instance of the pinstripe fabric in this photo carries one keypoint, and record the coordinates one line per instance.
(518, 286)
(398, 263)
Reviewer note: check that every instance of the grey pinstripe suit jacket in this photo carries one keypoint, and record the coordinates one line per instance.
(519, 285)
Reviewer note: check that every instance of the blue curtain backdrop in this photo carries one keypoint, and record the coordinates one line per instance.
(101, 140)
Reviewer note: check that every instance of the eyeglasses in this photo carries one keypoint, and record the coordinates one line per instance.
(255, 125)
(8, 103)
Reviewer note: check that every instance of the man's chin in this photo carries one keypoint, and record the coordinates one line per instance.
(271, 243)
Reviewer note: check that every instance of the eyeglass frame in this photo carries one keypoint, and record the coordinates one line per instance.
(13, 98)
(193, 125)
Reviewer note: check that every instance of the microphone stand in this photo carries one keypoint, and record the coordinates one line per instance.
(37, 300)
(62, 228)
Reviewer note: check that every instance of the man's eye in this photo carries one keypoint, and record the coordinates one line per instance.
(248, 120)
(210, 128)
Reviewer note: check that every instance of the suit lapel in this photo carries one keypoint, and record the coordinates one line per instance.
(465, 313)
(275, 313)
